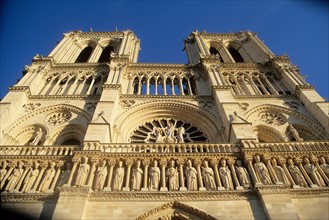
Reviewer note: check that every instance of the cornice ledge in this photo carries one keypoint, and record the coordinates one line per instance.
(74, 191)
(20, 89)
(262, 96)
(111, 86)
(309, 193)
(66, 97)
(170, 196)
(27, 197)
(78, 65)
(192, 97)
(157, 65)
(304, 87)
(221, 87)
(272, 189)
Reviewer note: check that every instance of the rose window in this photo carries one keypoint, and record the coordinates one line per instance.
(167, 131)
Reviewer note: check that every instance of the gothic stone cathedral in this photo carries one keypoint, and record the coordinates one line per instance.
(237, 133)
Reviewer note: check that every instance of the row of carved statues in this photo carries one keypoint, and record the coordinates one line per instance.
(171, 175)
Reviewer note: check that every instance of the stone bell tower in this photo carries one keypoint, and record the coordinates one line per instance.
(237, 132)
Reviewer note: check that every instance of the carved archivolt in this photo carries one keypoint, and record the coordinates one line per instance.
(281, 116)
(53, 108)
(127, 122)
(173, 210)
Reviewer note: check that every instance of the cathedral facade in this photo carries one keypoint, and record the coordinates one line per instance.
(237, 132)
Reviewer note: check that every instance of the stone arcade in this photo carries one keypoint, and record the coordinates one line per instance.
(236, 133)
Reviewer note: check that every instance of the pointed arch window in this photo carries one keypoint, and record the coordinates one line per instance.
(235, 55)
(84, 55)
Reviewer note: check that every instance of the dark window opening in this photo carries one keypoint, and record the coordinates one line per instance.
(235, 55)
(213, 51)
(84, 55)
(71, 141)
(106, 55)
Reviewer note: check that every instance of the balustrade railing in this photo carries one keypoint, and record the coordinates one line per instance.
(296, 146)
(163, 148)
(37, 150)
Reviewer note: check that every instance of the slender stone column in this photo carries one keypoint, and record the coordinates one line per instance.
(111, 165)
(147, 86)
(91, 85)
(291, 180)
(36, 183)
(181, 87)
(163, 164)
(252, 172)
(217, 178)
(146, 164)
(182, 187)
(129, 164)
(235, 178)
(198, 168)
(58, 172)
(91, 173)
(69, 181)
(271, 171)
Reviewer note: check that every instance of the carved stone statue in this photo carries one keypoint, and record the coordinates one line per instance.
(83, 172)
(296, 174)
(137, 176)
(65, 174)
(48, 177)
(14, 177)
(101, 174)
(3, 170)
(170, 131)
(262, 171)
(172, 175)
(37, 137)
(158, 134)
(119, 173)
(294, 132)
(31, 177)
(225, 175)
(180, 132)
(313, 172)
(191, 177)
(279, 172)
(243, 175)
(208, 176)
(154, 178)
(324, 166)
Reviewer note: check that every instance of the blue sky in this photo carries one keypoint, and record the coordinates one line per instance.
(297, 28)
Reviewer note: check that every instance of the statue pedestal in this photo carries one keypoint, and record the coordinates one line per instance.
(145, 189)
(202, 189)
(296, 186)
(314, 186)
(182, 189)
(239, 188)
(163, 189)
(221, 188)
(107, 189)
(126, 189)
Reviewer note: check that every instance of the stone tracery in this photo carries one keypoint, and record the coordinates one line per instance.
(167, 131)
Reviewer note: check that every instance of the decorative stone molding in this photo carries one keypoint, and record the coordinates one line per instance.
(127, 103)
(58, 118)
(170, 196)
(272, 118)
(31, 106)
(28, 197)
(291, 104)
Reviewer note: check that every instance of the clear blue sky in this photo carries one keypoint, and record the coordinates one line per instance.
(298, 28)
